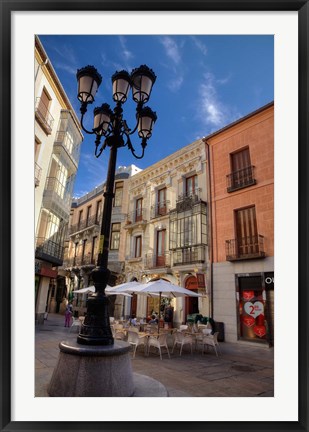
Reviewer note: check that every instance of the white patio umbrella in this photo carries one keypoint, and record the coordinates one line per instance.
(166, 289)
(108, 291)
(128, 287)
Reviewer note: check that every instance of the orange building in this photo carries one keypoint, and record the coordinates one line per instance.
(241, 189)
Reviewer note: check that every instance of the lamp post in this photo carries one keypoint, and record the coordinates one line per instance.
(110, 125)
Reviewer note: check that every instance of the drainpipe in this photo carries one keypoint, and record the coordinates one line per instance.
(210, 237)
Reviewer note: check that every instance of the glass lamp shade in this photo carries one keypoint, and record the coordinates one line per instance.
(146, 120)
(89, 81)
(121, 86)
(142, 80)
(102, 118)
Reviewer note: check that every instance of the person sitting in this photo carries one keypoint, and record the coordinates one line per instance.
(133, 321)
(153, 320)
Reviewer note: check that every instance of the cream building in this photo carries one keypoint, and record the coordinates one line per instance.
(84, 233)
(166, 231)
(58, 139)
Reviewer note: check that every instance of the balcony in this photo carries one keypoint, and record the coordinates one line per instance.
(80, 261)
(49, 251)
(240, 179)
(189, 255)
(188, 201)
(245, 248)
(136, 217)
(37, 174)
(153, 261)
(159, 209)
(43, 116)
(85, 223)
(57, 197)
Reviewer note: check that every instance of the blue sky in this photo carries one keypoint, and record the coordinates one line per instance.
(203, 84)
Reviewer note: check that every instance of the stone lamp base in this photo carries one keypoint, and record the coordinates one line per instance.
(90, 371)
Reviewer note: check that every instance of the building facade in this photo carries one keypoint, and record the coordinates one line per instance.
(166, 231)
(57, 144)
(240, 165)
(84, 233)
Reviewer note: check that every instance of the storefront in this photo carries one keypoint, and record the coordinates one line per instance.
(255, 301)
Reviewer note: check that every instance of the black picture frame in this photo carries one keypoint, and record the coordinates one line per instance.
(7, 7)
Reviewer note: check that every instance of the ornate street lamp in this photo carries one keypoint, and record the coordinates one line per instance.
(110, 125)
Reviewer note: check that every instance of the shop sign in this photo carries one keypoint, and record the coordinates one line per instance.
(269, 280)
(48, 272)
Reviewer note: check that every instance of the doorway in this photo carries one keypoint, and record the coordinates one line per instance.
(191, 303)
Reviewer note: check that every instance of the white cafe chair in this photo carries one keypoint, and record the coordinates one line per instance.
(158, 342)
(211, 340)
(135, 340)
(180, 338)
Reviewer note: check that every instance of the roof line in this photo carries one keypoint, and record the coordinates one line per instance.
(239, 121)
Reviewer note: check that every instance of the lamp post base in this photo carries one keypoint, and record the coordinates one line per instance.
(92, 371)
(96, 329)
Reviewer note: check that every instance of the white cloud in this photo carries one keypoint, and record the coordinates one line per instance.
(213, 113)
(175, 84)
(171, 49)
(125, 52)
(199, 45)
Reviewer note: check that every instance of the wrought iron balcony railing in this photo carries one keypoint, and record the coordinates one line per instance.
(85, 223)
(189, 255)
(80, 261)
(160, 209)
(153, 261)
(245, 248)
(188, 200)
(49, 250)
(138, 215)
(37, 174)
(43, 116)
(240, 179)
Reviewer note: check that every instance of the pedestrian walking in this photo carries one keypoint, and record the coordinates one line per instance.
(67, 315)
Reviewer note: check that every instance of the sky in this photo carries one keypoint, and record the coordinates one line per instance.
(204, 83)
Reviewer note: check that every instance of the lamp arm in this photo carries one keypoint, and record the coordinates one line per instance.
(97, 142)
(130, 147)
(83, 127)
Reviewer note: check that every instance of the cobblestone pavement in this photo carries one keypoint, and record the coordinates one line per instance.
(242, 370)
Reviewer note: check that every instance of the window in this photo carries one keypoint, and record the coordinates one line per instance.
(88, 215)
(61, 180)
(242, 174)
(98, 211)
(80, 216)
(139, 210)
(118, 194)
(138, 246)
(160, 256)
(93, 248)
(44, 103)
(68, 142)
(161, 202)
(84, 249)
(37, 146)
(191, 185)
(246, 231)
(115, 236)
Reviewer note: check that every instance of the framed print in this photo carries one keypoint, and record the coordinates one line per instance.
(287, 23)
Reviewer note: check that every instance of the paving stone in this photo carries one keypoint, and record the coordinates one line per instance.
(242, 370)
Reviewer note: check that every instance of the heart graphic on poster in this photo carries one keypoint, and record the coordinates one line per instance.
(254, 309)
(248, 321)
(248, 295)
(260, 330)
